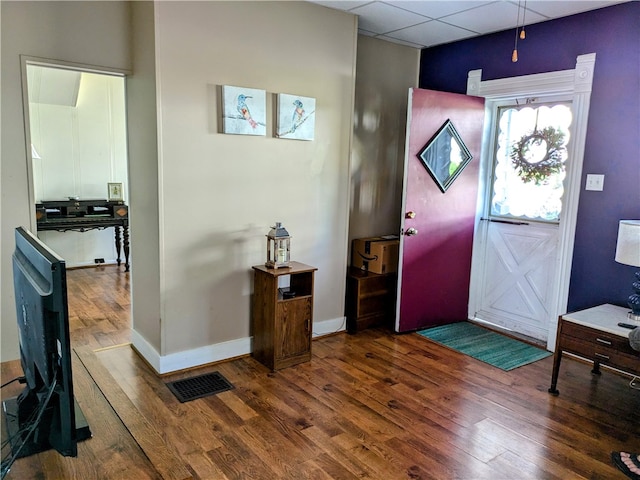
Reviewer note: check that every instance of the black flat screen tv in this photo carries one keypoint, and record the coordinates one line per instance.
(44, 415)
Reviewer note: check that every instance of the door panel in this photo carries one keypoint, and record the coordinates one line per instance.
(435, 262)
(519, 277)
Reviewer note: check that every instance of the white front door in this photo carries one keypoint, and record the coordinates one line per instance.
(520, 255)
(530, 180)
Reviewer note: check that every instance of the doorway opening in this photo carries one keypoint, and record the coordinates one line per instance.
(76, 129)
(76, 133)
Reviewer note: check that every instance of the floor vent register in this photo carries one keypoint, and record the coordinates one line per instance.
(191, 388)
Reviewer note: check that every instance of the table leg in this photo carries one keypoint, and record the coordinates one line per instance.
(117, 232)
(557, 357)
(596, 368)
(125, 234)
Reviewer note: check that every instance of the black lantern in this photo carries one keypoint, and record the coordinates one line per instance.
(278, 247)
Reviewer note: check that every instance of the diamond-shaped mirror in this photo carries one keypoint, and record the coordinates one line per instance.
(445, 155)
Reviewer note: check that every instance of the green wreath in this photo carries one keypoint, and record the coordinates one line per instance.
(551, 163)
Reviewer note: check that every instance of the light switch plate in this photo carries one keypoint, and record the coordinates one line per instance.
(595, 182)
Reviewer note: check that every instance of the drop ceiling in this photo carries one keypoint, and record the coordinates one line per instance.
(429, 23)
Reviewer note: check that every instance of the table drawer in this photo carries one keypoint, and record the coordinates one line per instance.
(618, 360)
(600, 352)
(597, 337)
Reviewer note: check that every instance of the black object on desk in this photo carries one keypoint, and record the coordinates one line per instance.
(85, 215)
(626, 325)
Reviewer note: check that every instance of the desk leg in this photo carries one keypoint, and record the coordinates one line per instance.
(125, 235)
(596, 368)
(557, 357)
(117, 231)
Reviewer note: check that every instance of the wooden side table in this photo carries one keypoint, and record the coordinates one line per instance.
(282, 318)
(594, 334)
(371, 299)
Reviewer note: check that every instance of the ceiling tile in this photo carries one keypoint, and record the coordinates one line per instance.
(410, 21)
(431, 33)
(437, 8)
(492, 18)
(399, 42)
(562, 9)
(380, 17)
(341, 4)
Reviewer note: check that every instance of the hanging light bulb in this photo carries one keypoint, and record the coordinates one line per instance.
(523, 35)
(514, 55)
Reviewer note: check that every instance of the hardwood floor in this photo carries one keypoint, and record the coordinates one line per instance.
(372, 405)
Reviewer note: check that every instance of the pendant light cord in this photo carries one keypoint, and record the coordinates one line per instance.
(523, 35)
(514, 55)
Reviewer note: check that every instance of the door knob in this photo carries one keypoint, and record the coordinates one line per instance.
(410, 214)
(410, 232)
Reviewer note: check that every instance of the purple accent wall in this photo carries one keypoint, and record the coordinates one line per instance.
(613, 134)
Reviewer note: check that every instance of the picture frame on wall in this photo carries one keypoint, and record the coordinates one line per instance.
(296, 117)
(445, 156)
(244, 110)
(115, 191)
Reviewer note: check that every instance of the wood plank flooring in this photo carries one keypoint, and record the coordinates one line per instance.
(373, 405)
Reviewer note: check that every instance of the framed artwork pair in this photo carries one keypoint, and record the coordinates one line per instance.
(244, 112)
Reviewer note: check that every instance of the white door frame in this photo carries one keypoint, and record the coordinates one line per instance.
(576, 83)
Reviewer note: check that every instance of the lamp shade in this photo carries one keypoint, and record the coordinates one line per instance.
(628, 247)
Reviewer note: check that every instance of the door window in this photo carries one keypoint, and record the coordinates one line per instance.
(529, 161)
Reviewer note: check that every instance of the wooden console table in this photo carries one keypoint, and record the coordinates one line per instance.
(594, 334)
(85, 215)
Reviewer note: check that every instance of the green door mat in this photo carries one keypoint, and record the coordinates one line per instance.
(490, 347)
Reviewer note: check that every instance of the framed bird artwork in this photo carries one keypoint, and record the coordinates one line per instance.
(296, 117)
(244, 111)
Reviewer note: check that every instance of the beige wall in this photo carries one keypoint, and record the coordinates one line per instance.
(95, 33)
(142, 125)
(202, 201)
(221, 193)
(200, 208)
(385, 72)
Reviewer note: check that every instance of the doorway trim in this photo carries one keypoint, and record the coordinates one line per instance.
(577, 83)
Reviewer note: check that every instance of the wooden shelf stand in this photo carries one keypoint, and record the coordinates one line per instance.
(282, 317)
(371, 299)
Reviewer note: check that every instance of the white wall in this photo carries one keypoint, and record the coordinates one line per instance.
(221, 193)
(30, 28)
(82, 147)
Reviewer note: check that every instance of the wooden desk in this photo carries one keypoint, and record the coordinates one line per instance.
(594, 335)
(85, 215)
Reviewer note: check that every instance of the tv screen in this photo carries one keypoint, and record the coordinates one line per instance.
(44, 415)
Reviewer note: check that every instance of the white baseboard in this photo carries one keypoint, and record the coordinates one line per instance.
(213, 353)
(327, 327)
